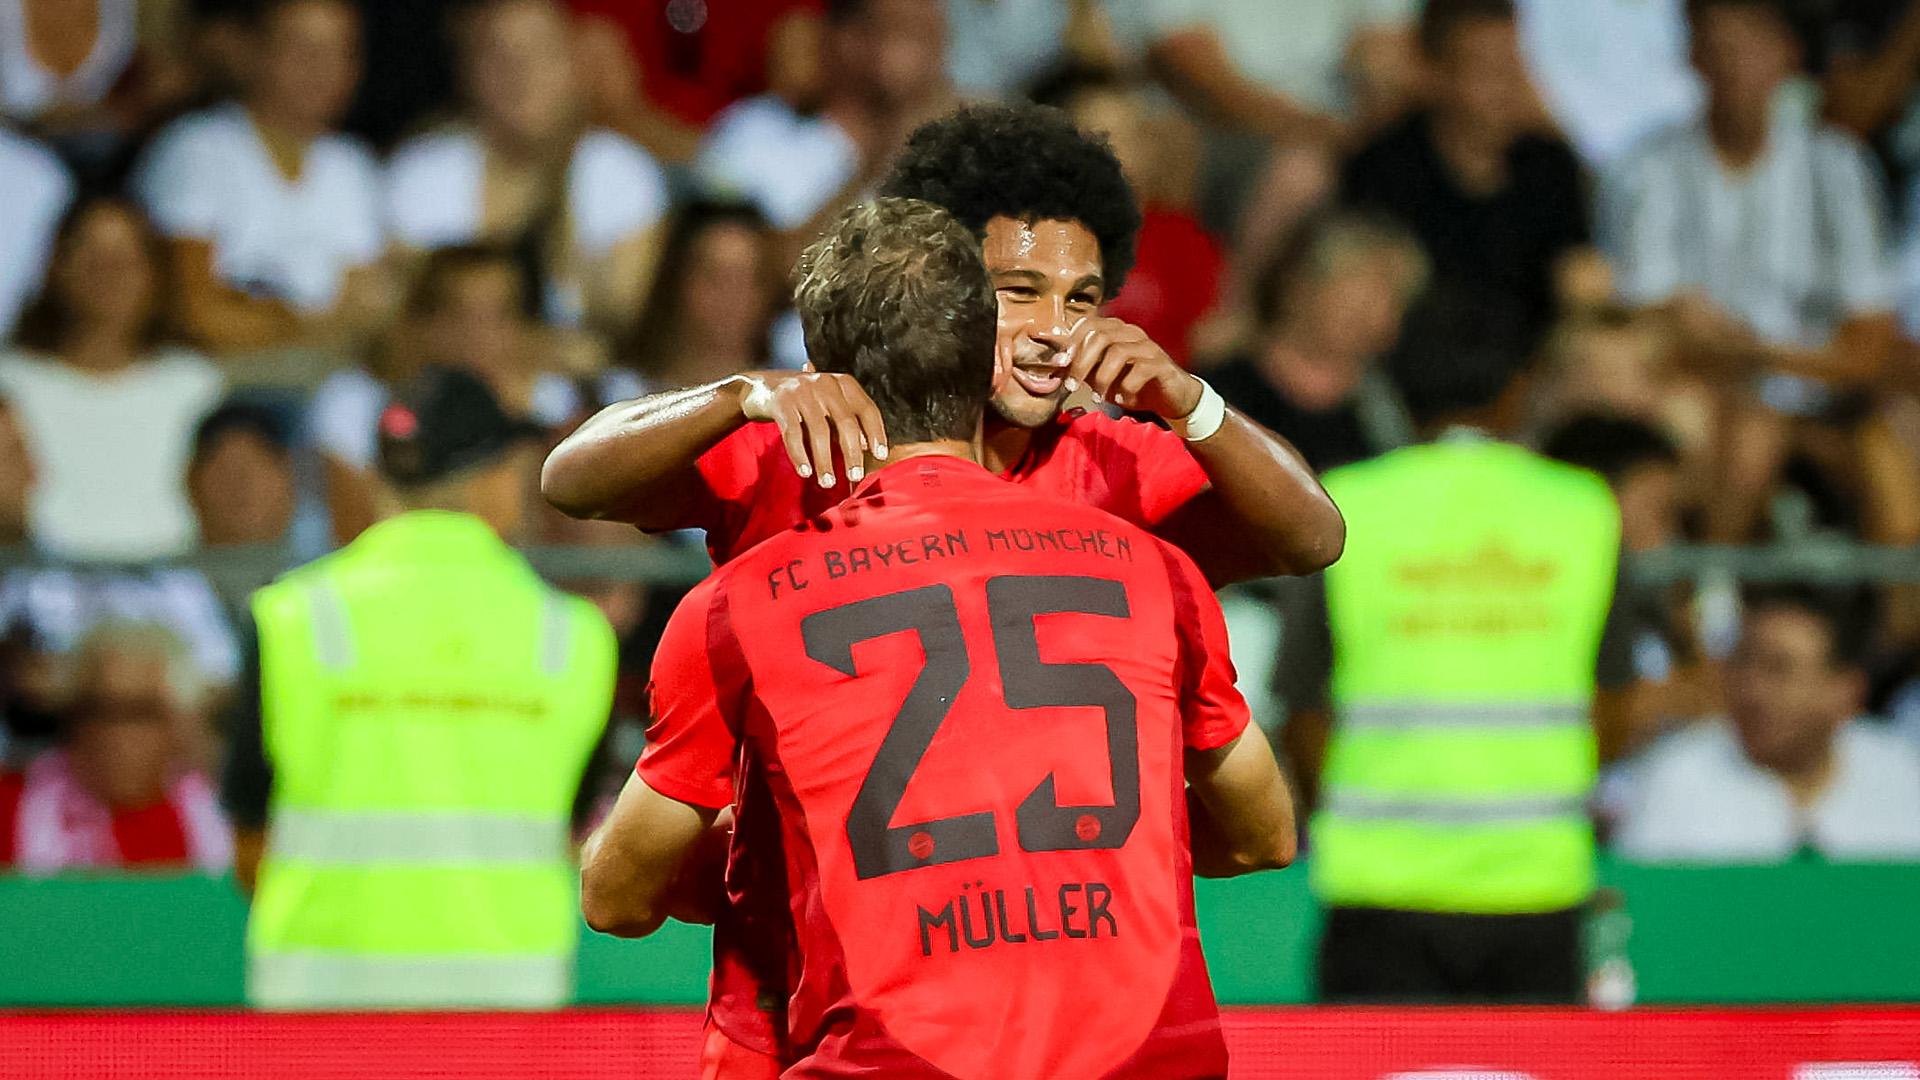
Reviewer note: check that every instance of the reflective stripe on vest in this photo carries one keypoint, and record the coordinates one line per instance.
(1409, 716)
(332, 638)
(313, 980)
(1510, 811)
(417, 839)
(556, 635)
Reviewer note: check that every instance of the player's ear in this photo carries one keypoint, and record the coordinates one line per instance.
(807, 367)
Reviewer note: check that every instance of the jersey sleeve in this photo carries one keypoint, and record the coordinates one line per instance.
(729, 474)
(1156, 463)
(690, 741)
(1212, 710)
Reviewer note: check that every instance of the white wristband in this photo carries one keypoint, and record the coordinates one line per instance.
(1206, 417)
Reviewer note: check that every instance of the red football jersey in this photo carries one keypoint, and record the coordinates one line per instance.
(970, 705)
(1136, 471)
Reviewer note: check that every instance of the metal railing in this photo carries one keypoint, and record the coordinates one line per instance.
(1813, 561)
(242, 569)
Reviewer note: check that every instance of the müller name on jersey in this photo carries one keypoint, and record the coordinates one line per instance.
(982, 917)
(834, 563)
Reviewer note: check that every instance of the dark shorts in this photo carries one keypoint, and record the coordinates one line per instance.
(1375, 955)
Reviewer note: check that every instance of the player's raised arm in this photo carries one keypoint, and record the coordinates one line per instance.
(1265, 513)
(636, 461)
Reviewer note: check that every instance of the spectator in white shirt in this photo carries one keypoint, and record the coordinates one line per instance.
(1611, 71)
(45, 611)
(1292, 70)
(273, 218)
(1791, 768)
(108, 411)
(62, 69)
(1761, 233)
(38, 191)
(525, 171)
(88, 74)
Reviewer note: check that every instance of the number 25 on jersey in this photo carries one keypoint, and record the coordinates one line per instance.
(1013, 602)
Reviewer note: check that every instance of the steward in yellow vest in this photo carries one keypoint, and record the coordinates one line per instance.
(427, 709)
(1451, 842)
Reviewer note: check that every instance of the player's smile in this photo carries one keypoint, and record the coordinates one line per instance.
(1042, 379)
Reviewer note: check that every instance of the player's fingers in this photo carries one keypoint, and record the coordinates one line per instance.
(1126, 392)
(871, 422)
(819, 441)
(1115, 360)
(1087, 355)
(1080, 352)
(792, 436)
(852, 438)
(866, 414)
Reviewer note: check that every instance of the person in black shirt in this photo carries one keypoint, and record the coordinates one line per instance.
(1327, 307)
(1497, 208)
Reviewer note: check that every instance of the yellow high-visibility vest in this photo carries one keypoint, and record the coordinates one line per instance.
(1466, 617)
(428, 708)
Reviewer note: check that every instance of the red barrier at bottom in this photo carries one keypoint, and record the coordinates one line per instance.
(1295, 1044)
(1551, 1044)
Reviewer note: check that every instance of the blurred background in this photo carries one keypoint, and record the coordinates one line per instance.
(1675, 243)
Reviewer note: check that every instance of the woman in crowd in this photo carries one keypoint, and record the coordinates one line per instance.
(109, 409)
(710, 313)
(523, 170)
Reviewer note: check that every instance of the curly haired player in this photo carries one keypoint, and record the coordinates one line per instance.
(750, 455)
(978, 712)
(753, 455)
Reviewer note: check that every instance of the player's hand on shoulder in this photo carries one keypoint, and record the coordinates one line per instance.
(816, 412)
(1121, 364)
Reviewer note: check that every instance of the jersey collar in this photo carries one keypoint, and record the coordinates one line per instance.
(932, 471)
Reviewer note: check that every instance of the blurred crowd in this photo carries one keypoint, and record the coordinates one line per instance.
(1678, 242)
